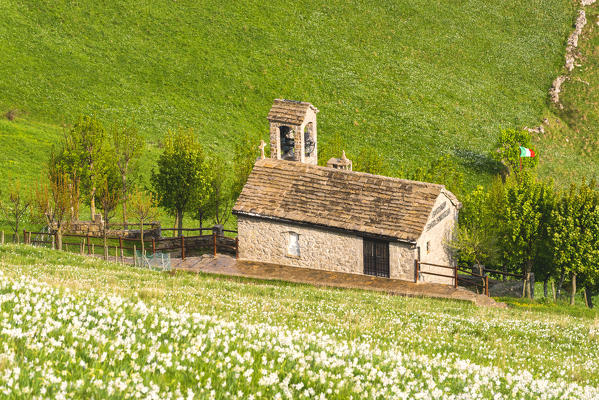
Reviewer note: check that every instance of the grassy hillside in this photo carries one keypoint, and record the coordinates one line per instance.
(571, 135)
(84, 328)
(415, 79)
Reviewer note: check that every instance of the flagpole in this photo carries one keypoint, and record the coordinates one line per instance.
(520, 158)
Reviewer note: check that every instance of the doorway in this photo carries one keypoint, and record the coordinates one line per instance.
(376, 258)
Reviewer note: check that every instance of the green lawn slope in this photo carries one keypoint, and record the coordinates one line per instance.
(571, 139)
(414, 79)
(105, 330)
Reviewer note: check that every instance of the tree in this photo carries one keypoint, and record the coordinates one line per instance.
(244, 158)
(574, 233)
(475, 241)
(507, 151)
(109, 193)
(525, 207)
(127, 146)
(220, 199)
(16, 207)
(68, 160)
(53, 200)
(143, 207)
(181, 176)
(90, 146)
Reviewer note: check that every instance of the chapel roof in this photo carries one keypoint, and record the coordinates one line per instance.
(347, 200)
(289, 111)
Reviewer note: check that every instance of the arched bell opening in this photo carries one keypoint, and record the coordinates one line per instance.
(309, 142)
(287, 141)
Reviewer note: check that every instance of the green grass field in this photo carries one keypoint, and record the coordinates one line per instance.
(78, 328)
(414, 79)
(572, 138)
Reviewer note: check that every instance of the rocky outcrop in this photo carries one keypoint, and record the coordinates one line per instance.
(581, 21)
(571, 47)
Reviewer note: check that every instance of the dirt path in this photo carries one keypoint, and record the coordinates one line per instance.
(225, 265)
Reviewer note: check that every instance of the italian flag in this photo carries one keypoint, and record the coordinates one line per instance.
(524, 152)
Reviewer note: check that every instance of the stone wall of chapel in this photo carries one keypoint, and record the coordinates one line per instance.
(437, 234)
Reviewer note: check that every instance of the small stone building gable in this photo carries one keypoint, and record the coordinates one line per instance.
(293, 131)
(391, 208)
(289, 111)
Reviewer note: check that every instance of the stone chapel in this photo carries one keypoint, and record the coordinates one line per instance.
(294, 212)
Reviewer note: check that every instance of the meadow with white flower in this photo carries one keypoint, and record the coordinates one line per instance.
(72, 327)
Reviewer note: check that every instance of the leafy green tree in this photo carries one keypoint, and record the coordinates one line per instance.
(245, 154)
(181, 178)
(127, 145)
(526, 202)
(68, 160)
(574, 233)
(507, 151)
(475, 241)
(90, 137)
(217, 205)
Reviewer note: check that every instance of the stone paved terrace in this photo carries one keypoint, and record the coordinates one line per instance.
(228, 266)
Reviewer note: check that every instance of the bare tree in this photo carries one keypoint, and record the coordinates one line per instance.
(143, 207)
(16, 207)
(53, 200)
(127, 146)
(109, 196)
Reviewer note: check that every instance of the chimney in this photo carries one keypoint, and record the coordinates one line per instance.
(340, 163)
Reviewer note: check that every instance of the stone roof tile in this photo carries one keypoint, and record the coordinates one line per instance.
(342, 199)
(289, 111)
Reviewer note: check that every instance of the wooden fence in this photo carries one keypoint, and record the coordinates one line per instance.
(478, 280)
(464, 276)
(180, 245)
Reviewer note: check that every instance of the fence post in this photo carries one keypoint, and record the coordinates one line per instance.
(237, 247)
(182, 247)
(121, 246)
(487, 285)
(81, 247)
(214, 242)
(153, 246)
(416, 271)
(93, 249)
(89, 251)
(455, 276)
(116, 253)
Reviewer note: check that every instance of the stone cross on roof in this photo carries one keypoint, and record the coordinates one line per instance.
(261, 147)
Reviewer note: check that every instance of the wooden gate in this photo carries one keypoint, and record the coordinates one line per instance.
(376, 258)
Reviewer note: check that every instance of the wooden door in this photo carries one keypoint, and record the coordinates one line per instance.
(376, 258)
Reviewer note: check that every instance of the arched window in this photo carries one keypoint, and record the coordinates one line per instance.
(293, 246)
(309, 142)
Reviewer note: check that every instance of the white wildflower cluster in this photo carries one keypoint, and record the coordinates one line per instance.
(63, 344)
